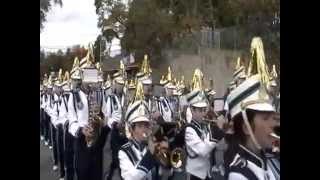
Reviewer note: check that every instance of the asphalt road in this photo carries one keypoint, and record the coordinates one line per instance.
(46, 164)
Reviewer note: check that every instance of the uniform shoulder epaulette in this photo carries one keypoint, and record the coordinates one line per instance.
(240, 165)
(196, 128)
(239, 162)
(128, 150)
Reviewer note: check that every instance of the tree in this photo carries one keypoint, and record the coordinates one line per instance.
(45, 6)
(56, 60)
(148, 26)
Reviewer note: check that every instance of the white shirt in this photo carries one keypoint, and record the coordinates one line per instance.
(133, 170)
(55, 110)
(112, 109)
(49, 104)
(62, 116)
(246, 158)
(200, 149)
(188, 115)
(165, 109)
(77, 117)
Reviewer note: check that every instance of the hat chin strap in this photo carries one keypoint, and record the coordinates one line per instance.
(245, 119)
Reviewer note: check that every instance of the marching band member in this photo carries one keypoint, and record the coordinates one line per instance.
(69, 140)
(167, 105)
(137, 157)
(200, 138)
(106, 88)
(113, 106)
(131, 90)
(46, 118)
(89, 135)
(144, 76)
(53, 98)
(42, 106)
(41, 113)
(253, 116)
(67, 137)
(58, 114)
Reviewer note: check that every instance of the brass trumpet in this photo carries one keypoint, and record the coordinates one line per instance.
(177, 157)
(162, 154)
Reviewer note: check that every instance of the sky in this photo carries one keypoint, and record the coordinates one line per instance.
(74, 23)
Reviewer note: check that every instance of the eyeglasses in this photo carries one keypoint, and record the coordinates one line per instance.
(201, 109)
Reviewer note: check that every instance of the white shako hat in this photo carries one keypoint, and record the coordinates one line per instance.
(144, 76)
(51, 80)
(170, 84)
(180, 87)
(118, 77)
(66, 84)
(197, 97)
(138, 109)
(239, 71)
(45, 80)
(210, 91)
(249, 95)
(252, 93)
(274, 76)
(100, 72)
(90, 71)
(108, 83)
(232, 85)
(76, 72)
(163, 80)
(59, 80)
(132, 84)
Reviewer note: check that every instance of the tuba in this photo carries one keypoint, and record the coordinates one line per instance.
(94, 121)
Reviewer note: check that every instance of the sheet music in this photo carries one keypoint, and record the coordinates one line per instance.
(90, 75)
(218, 105)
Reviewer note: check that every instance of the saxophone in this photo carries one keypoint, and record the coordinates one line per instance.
(95, 121)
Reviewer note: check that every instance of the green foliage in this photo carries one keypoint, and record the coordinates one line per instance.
(55, 61)
(45, 6)
(148, 26)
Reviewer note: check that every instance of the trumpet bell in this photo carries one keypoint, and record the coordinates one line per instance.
(177, 158)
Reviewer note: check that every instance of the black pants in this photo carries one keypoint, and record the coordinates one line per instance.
(116, 142)
(60, 148)
(46, 127)
(192, 177)
(54, 144)
(89, 161)
(41, 122)
(69, 153)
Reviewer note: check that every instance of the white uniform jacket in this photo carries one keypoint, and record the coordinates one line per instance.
(199, 145)
(49, 104)
(165, 108)
(247, 166)
(41, 100)
(135, 161)
(112, 108)
(56, 110)
(78, 114)
(62, 111)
